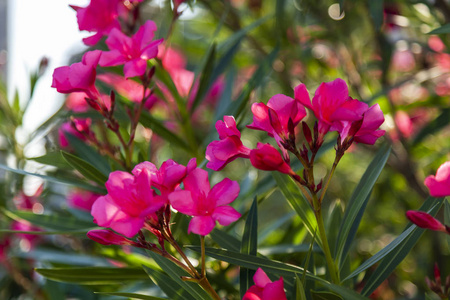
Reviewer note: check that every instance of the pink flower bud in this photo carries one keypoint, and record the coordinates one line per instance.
(108, 237)
(267, 158)
(424, 220)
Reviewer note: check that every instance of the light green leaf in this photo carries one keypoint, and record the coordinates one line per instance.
(357, 204)
(441, 30)
(52, 159)
(85, 168)
(249, 246)
(287, 249)
(295, 198)
(299, 290)
(94, 275)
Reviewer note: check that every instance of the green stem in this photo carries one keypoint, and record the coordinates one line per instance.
(326, 248)
(327, 183)
(202, 242)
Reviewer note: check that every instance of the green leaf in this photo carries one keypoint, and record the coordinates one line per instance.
(65, 180)
(55, 222)
(441, 30)
(299, 290)
(391, 260)
(149, 121)
(52, 159)
(89, 154)
(357, 204)
(249, 246)
(205, 77)
(176, 273)
(94, 275)
(287, 249)
(376, 12)
(321, 295)
(85, 168)
(169, 286)
(346, 293)
(295, 198)
(433, 126)
(225, 240)
(132, 296)
(254, 262)
(280, 17)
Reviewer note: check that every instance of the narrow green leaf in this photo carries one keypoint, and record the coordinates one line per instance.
(55, 222)
(376, 12)
(169, 286)
(398, 242)
(89, 154)
(249, 246)
(391, 260)
(358, 202)
(150, 122)
(52, 159)
(85, 168)
(280, 17)
(225, 240)
(295, 198)
(345, 292)
(94, 275)
(441, 30)
(176, 273)
(71, 232)
(321, 295)
(225, 61)
(308, 258)
(433, 126)
(254, 262)
(205, 77)
(287, 249)
(67, 258)
(341, 7)
(299, 290)
(132, 296)
(65, 180)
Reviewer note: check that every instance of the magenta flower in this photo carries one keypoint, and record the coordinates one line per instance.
(79, 77)
(132, 51)
(77, 127)
(129, 201)
(267, 158)
(264, 288)
(206, 205)
(274, 117)
(228, 148)
(439, 185)
(108, 237)
(424, 220)
(82, 199)
(99, 16)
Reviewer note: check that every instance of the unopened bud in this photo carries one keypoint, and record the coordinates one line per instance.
(108, 237)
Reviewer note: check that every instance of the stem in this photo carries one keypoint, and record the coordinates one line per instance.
(326, 248)
(327, 183)
(202, 242)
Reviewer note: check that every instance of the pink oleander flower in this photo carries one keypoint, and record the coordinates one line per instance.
(424, 220)
(79, 77)
(76, 102)
(129, 201)
(108, 237)
(206, 205)
(274, 117)
(264, 288)
(267, 158)
(331, 103)
(133, 51)
(100, 16)
(77, 127)
(228, 148)
(439, 185)
(82, 199)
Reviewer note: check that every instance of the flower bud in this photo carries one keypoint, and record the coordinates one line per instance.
(108, 237)
(424, 220)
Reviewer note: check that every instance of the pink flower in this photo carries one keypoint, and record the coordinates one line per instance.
(267, 158)
(77, 127)
(79, 77)
(274, 117)
(424, 220)
(108, 237)
(206, 205)
(132, 51)
(439, 185)
(82, 199)
(264, 288)
(76, 102)
(99, 16)
(331, 103)
(228, 148)
(129, 201)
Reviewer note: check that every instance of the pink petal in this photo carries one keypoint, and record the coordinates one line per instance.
(201, 225)
(135, 67)
(301, 94)
(129, 226)
(112, 58)
(260, 118)
(275, 290)
(119, 182)
(260, 278)
(151, 50)
(119, 41)
(198, 183)
(182, 201)
(145, 34)
(224, 192)
(443, 172)
(350, 110)
(105, 211)
(225, 215)
(253, 293)
(329, 96)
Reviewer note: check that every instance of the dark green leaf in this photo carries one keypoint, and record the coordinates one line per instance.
(391, 259)
(441, 30)
(346, 293)
(94, 275)
(133, 296)
(52, 159)
(320, 295)
(176, 273)
(169, 286)
(433, 126)
(205, 77)
(358, 202)
(295, 198)
(287, 249)
(376, 12)
(85, 168)
(225, 240)
(249, 246)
